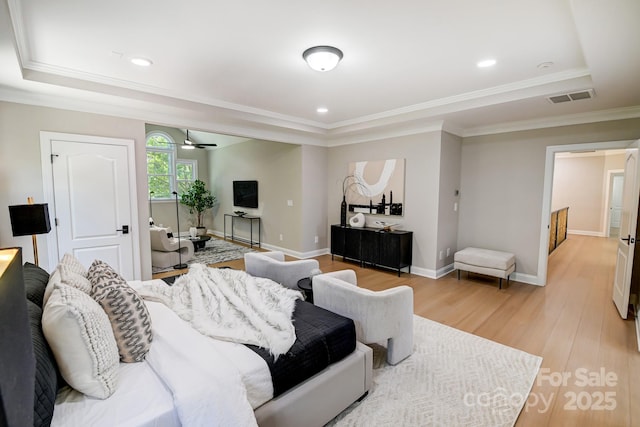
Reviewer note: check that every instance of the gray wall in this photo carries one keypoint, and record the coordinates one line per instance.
(278, 169)
(21, 172)
(422, 174)
(314, 198)
(449, 183)
(164, 212)
(502, 185)
(581, 184)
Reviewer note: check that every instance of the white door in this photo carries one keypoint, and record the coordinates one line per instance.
(626, 242)
(93, 203)
(616, 200)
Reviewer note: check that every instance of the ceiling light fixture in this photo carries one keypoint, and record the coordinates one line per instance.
(141, 62)
(486, 63)
(188, 145)
(322, 58)
(322, 110)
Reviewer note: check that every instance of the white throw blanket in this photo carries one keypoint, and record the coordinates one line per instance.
(207, 388)
(231, 305)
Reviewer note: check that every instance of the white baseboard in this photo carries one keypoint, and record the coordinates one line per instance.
(441, 272)
(432, 274)
(419, 271)
(424, 272)
(587, 233)
(529, 279)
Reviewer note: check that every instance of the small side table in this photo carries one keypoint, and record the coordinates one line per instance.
(306, 287)
(199, 242)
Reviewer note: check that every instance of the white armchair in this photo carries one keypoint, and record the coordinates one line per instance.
(272, 265)
(379, 316)
(164, 249)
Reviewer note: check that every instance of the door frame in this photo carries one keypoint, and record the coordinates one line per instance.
(47, 184)
(543, 255)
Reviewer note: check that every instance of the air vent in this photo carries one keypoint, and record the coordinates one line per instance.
(574, 96)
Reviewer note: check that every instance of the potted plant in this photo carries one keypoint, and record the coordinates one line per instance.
(198, 199)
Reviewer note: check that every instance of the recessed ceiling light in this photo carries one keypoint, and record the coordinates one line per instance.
(544, 65)
(486, 63)
(141, 62)
(322, 109)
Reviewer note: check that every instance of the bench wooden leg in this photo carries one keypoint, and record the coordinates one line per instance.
(500, 286)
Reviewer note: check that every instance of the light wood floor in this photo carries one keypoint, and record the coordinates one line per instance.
(572, 323)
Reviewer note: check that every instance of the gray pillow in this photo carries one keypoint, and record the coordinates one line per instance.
(35, 282)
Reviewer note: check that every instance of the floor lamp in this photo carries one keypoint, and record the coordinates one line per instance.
(30, 219)
(151, 193)
(180, 265)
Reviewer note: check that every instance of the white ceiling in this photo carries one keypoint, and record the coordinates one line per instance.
(237, 68)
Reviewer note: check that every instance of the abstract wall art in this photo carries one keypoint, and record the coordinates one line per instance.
(376, 187)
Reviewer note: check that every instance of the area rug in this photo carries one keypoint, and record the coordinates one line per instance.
(453, 378)
(214, 252)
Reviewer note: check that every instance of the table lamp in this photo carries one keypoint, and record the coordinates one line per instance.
(30, 219)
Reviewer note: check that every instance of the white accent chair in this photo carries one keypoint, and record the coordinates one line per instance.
(164, 249)
(379, 316)
(271, 265)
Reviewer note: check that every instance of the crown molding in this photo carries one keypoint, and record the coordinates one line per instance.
(556, 121)
(498, 94)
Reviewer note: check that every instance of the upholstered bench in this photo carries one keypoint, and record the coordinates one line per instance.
(485, 261)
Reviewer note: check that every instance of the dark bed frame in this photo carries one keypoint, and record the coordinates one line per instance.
(17, 365)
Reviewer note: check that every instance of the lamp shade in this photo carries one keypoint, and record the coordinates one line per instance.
(27, 220)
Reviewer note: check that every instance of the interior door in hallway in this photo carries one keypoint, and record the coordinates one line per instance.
(93, 203)
(628, 224)
(615, 204)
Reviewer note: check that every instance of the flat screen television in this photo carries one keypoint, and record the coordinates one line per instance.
(245, 194)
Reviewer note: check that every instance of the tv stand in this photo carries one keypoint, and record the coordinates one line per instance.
(249, 218)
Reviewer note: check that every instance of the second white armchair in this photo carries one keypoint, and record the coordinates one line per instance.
(272, 265)
(378, 316)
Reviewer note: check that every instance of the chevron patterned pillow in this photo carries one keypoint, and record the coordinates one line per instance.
(126, 310)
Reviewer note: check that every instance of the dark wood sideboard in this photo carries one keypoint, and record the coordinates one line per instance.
(373, 246)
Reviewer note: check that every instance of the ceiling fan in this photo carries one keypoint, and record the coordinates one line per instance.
(190, 145)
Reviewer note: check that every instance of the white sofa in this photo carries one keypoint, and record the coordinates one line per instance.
(271, 265)
(164, 249)
(379, 316)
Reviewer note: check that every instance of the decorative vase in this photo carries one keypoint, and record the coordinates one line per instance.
(343, 212)
(357, 221)
(193, 232)
(201, 231)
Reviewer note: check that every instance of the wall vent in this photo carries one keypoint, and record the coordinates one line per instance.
(573, 96)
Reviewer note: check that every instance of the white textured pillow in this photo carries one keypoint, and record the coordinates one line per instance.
(80, 336)
(54, 279)
(73, 264)
(68, 276)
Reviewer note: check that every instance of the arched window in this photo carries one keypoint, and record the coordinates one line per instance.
(165, 172)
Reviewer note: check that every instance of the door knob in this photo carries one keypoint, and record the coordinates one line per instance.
(124, 229)
(628, 239)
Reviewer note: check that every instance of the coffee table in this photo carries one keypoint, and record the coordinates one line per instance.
(199, 242)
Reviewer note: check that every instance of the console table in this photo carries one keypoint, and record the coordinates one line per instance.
(251, 220)
(374, 246)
